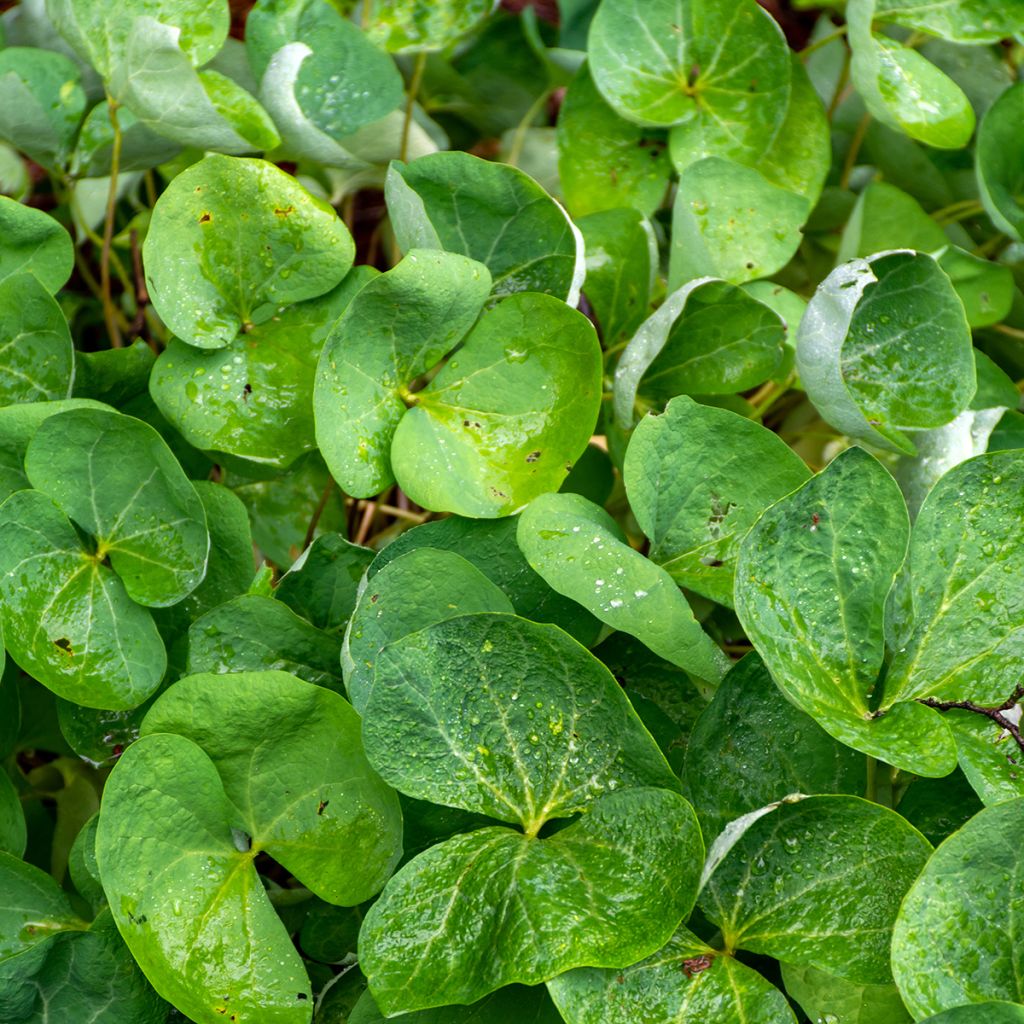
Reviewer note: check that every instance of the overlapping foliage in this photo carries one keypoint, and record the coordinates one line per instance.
(511, 513)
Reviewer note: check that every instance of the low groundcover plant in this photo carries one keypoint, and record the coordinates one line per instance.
(511, 513)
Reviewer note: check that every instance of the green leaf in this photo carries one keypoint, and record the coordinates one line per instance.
(260, 729)
(886, 218)
(232, 242)
(961, 21)
(985, 288)
(514, 1004)
(13, 832)
(395, 329)
(697, 479)
(784, 888)
(750, 747)
(622, 259)
(998, 164)
(252, 633)
(722, 71)
(730, 221)
(186, 900)
(506, 417)
(114, 375)
(36, 355)
(581, 552)
(254, 397)
(507, 908)
(938, 807)
(32, 242)
(82, 866)
(117, 479)
(41, 103)
(685, 982)
(885, 346)
(988, 756)
(415, 590)
(604, 161)
(141, 147)
(408, 26)
(321, 78)
(811, 584)
(490, 544)
(707, 337)
(981, 1013)
(955, 940)
(967, 586)
(822, 995)
(549, 731)
(491, 212)
(904, 90)
(66, 617)
(322, 584)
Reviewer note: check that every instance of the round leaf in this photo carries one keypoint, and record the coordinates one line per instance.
(231, 241)
(36, 355)
(506, 417)
(956, 938)
(999, 163)
(407, 26)
(31, 241)
(506, 717)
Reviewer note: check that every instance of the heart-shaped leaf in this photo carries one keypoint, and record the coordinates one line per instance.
(116, 478)
(415, 590)
(511, 908)
(399, 326)
(811, 583)
(581, 552)
(697, 478)
(36, 354)
(491, 212)
(506, 417)
(254, 397)
(707, 337)
(66, 617)
(956, 937)
(782, 887)
(884, 346)
(685, 982)
(209, 281)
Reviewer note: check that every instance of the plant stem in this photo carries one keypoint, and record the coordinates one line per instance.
(317, 513)
(958, 211)
(870, 788)
(995, 713)
(851, 156)
(109, 314)
(414, 88)
(823, 41)
(841, 83)
(519, 138)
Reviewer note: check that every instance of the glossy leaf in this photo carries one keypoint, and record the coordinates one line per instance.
(67, 619)
(730, 221)
(514, 1004)
(199, 924)
(491, 212)
(406, 26)
(208, 281)
(604, 161)
(811, 582)
(955, 940)
(999, 166)
(961, 21)
(988, 756)
(697, 479)
(253, 633)
(516, 909)
(820, 994)
(33, 242)
(707, 337)
(117, 479)
(721, 71)
(259, 729)
(751, 747)
(506, 417)
(550, 731)
(395, 329)
(36, 355)
(685, 982)
(781, 889)
(581, 552)
(884, 346)
(904, 90)
(254, 397)
(415, 590)
(13, 832)
(966, 564)
(981, 1013)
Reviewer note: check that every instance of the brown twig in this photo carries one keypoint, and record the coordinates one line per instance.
(141, 292)
(317, 512)
(109, 309)
(995, 714)
(369, 511)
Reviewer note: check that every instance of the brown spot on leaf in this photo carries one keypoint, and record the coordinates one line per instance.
(64, 644)
(533, 456)
(246, 391)
(696, 964)
(283, 211)
(323, 804)
(205, 218)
